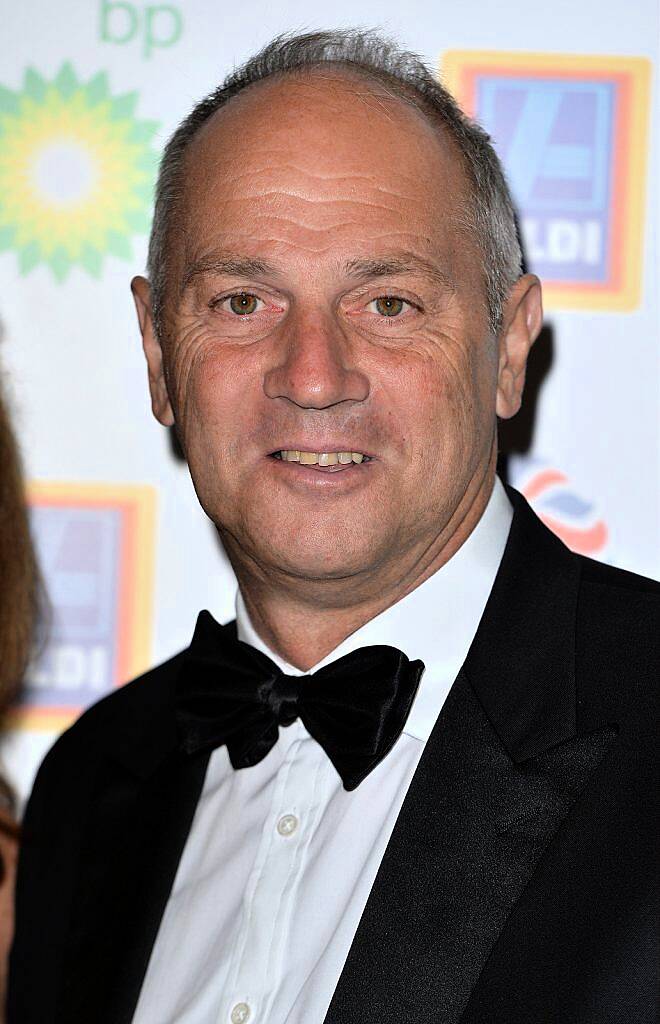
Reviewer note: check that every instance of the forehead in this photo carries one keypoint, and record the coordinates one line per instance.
(319, 161)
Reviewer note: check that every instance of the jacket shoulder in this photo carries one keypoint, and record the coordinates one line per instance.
(598, 574)
(91, 735)
(619, 605)
(618, 639)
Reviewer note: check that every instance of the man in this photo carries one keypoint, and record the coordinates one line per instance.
(450, 817)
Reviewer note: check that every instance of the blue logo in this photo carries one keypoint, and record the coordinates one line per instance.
(571, 131)
(79, 552)
(95, 544)
(555, 139)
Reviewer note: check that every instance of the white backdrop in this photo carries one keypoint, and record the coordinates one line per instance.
(89, 93)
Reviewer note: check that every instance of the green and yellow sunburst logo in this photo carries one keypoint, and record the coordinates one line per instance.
(76, 172)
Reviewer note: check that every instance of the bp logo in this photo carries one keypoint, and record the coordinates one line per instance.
(76, 172)
(95, 547)
(571, 132)
(555, 500)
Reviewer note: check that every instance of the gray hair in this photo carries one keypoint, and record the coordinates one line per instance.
(491, 215)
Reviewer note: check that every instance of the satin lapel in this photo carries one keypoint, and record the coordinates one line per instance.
(498, 775)
(133, 844)
(470, 833)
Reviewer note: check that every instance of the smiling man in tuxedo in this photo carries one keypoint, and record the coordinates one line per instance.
(411, 781)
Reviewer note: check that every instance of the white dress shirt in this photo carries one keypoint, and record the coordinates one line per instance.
(280, 859)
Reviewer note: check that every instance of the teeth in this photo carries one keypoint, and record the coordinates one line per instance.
(321, 458)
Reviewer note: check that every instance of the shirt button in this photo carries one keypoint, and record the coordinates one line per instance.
(240, 1013)
(287, 825)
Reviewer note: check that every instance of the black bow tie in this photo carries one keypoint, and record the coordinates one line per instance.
(230, 693)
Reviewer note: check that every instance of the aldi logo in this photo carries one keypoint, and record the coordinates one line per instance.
(571, 133)
(95, 545)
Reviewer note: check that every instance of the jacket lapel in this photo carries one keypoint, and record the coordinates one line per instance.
(498, 775)
(145, 798)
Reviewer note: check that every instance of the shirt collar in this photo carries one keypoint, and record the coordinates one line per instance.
(436, 622)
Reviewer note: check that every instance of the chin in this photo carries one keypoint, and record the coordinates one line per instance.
(312, 566)
(309, 562)
(304, 547)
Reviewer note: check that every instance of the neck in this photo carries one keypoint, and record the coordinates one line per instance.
(302, 624)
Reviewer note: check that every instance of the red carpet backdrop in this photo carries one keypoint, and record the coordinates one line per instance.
(89, 94)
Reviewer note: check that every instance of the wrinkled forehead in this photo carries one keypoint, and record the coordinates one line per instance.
(331, 127)
(320, 163)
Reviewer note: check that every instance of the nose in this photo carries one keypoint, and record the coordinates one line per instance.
(313, 366)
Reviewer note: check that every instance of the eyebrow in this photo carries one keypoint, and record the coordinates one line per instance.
(383, 266)
(225, 263)
(399, 263)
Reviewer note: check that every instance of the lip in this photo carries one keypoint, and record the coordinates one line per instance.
(328, 446)
(324, 478)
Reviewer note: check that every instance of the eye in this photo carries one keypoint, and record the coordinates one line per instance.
(242, 303)
(387, 305)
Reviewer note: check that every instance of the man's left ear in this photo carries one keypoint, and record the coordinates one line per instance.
(521, 322)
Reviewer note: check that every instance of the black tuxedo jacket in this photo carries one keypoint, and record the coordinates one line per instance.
(519, 884)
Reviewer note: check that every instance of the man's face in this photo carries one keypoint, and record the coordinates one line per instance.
(326, 297)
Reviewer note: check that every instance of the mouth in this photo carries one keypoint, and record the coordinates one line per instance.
(330, 462)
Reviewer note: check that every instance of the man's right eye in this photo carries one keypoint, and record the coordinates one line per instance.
(241, 303)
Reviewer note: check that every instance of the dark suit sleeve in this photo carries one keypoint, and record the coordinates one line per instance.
(49, 851)
(52, 849)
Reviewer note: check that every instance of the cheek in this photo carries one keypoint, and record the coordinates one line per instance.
(450, 402)
(209, 399)
(186, 351)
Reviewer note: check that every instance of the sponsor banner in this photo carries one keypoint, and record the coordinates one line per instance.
(572, 517)
(76, 172)
(95, 544)
(149, 28)
(572, 134)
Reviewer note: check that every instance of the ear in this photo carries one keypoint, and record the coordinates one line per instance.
(521, 322)
(160, 399)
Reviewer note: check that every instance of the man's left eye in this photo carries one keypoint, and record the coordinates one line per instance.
(387, 305)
